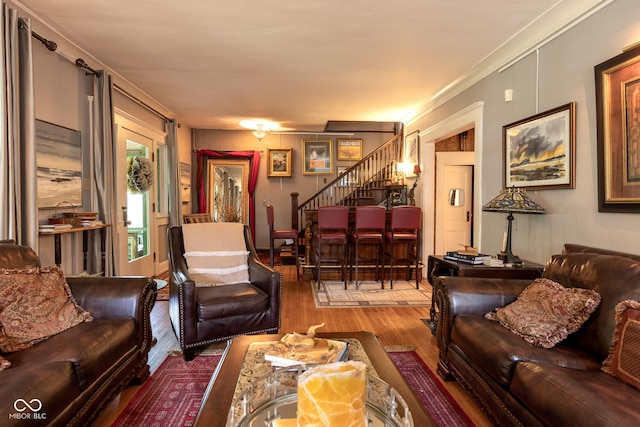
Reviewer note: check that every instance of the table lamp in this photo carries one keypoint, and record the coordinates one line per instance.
(512, 200)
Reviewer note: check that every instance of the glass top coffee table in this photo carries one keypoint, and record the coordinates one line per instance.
(219, 395)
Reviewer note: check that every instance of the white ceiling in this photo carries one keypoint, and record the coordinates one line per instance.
(301, 63)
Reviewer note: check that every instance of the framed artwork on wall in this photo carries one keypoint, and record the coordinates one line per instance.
(317, 157)
(59, 165)
(349, 149)
(348, 180)
(539, 151)
(618, 123)
(412, 152)
(279, 162)
(185, 182)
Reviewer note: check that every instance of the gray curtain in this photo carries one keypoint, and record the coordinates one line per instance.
(175, 207)
(18, 186)
(104, 181)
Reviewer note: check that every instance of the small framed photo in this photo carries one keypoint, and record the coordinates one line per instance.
(317, 157)
(185, 182)
(279, 161)
(349, 149)
(539, 151)
(618, 124)
(348, 180)
(412, 151)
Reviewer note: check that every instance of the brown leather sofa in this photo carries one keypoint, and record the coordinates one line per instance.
(518, 384)
(68, 379)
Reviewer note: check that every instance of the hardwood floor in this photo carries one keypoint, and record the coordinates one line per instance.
(394, 326)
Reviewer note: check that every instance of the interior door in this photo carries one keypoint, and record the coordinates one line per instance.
(141, 208)
(454, 201)
(457, 219)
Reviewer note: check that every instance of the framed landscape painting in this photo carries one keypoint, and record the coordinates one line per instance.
(317, 157)
(279, 162)
(618, 123)
(349, 149)
(539, 151)
(59, 165)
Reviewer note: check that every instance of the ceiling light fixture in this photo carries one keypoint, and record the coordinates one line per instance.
(260, 128)
(260, 132)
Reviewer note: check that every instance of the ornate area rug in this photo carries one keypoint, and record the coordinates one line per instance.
(369, 294)
(440, 405)
(172, 395)
(163, 293)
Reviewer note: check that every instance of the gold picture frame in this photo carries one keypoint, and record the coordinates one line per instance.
(539, 151)
(317, 157)
(618, 122)
(280, 162)
(350, 149)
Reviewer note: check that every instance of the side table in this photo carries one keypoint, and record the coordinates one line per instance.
(438, 266)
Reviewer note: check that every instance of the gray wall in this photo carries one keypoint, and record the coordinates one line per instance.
(61, 97)
(566, 73)
(277, 191)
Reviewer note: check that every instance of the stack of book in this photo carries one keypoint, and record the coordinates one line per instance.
(54, 227)
(475, 259)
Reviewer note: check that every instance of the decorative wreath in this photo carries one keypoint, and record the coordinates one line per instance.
(139, 174)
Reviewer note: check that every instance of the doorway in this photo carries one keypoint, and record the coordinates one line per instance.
(141, 198)
(454, 201)
(467, 118)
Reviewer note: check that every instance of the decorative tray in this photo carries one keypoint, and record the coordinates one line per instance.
(274, 397)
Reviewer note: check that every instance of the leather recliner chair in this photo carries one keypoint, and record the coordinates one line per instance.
(204, 315)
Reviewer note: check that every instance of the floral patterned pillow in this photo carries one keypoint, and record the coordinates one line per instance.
(4, 363)
(546, 312)
(623, 361)
(34, 305)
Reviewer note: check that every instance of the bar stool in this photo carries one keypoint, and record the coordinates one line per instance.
(333, 222)
(284, 233)
(369, 231)
(405, 228)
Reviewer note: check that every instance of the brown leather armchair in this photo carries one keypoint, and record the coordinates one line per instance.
(202, 315)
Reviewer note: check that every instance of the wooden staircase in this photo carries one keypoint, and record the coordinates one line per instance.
(368, 182)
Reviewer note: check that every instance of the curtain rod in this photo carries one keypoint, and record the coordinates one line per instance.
(142, 103)
(80, 63)
(51, 45)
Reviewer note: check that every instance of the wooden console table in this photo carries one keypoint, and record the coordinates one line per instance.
(57, 244)
(438, 266)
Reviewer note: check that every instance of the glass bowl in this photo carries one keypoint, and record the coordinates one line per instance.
(274, 396)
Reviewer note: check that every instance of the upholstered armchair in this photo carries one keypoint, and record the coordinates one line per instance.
(218, 287)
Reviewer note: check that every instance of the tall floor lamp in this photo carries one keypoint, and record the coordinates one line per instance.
(509, 201)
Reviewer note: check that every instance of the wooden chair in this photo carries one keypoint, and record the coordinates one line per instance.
(406, 223)
(333, 223)
(280, 234)
(204, 307)
(369, 231)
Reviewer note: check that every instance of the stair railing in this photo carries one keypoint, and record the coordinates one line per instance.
(373, 172)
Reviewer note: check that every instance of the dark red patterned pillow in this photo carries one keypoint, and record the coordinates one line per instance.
(546, 312)
(34, 305)
(623, 361)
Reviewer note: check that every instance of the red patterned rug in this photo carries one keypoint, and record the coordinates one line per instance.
(172, 396)
(440, 405)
